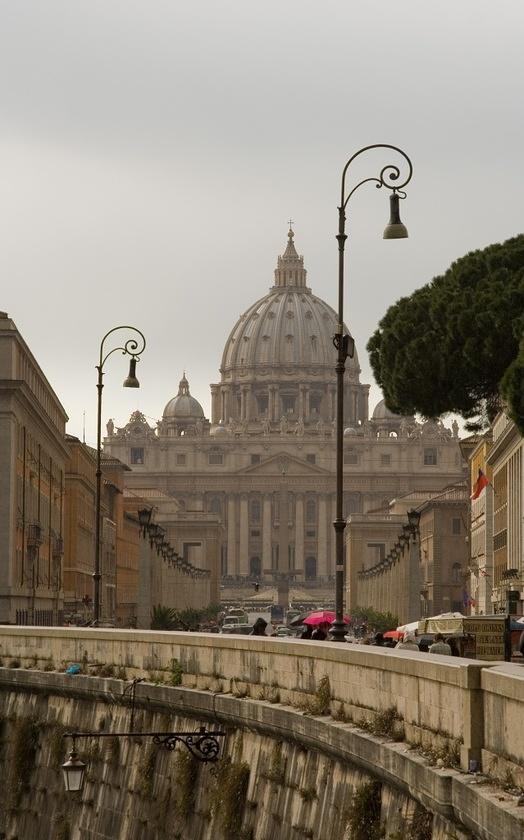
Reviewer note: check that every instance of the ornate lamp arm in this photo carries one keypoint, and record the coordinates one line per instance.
(131, 346)
(387, 174)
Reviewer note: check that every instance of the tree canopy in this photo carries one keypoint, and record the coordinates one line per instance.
(456, 344)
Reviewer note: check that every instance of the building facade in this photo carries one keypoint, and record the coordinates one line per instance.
(33, 457)
(481, 542)
(264, 464)
(506, 460)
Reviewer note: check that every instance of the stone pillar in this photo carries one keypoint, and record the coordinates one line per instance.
(299, 534)
(270, 403)
(283, 530)
(301, 401)
(243, 560)
(248, 409)
(266, 533)
(276, 404)
(322, 547)
(231, 536)
(307, 407)
(242, 403)
(215, 404)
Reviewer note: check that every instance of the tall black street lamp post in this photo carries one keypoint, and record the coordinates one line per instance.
(390, 177)
(133, 348)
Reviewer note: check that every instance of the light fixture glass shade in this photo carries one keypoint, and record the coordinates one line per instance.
(74, 770)
(395, 229)
(132, 381)
(413, 518)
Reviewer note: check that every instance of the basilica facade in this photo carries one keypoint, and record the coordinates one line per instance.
(264, 462)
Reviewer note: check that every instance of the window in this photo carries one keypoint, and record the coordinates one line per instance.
(215, 457)
(351, 456)
(255, 533)
(430, 457)
(385, 460)
(255, 510)
(137, 455)
(255, 459)
(311, 533)
(311, 459)
(215, 505)
(311, 511)
(456, 526)
(311, 568)
(456, 573)
(180, 460)
(255, 567)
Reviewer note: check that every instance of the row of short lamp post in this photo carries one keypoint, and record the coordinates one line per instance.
(157, 539)
(409, 532)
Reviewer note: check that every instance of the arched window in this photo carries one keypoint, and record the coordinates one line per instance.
(215, 505)
(311, 511)
(311, 568)
(255, 510)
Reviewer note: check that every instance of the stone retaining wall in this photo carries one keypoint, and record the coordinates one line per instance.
(437, 699)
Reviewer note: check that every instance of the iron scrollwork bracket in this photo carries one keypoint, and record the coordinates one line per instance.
(203, 745)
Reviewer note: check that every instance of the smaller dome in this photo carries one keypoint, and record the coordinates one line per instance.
(382, 412)
(183, 406)
(218, 430)
(350, 431)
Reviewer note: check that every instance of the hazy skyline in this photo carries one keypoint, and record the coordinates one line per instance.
(152, 153)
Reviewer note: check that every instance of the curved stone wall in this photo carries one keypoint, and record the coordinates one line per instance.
(282, 774)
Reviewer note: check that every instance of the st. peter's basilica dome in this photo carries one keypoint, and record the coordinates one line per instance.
(288, 328)
(278, 364)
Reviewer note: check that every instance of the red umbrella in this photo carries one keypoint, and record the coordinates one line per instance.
(394, 634)
(323, 617)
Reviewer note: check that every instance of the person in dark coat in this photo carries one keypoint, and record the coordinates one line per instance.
(320, 633)
(259, 627)
(307, 632)
(521, 643)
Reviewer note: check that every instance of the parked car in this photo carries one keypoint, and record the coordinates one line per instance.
(231, 621)
(240, 629)
(284, 632)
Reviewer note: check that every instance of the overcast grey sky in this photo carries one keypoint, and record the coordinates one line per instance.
(152, 153)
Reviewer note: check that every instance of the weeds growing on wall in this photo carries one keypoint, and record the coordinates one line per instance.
(421, 827)
(146, 772)
(57, 745)
(24, 744)
(386, 724)
(363, 815)
(277, 767)
(61, 828)
(176, 672)
(320, 703)
(186, 778)
(230, 795)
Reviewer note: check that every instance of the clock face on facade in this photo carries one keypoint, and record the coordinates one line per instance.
(137, 429)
